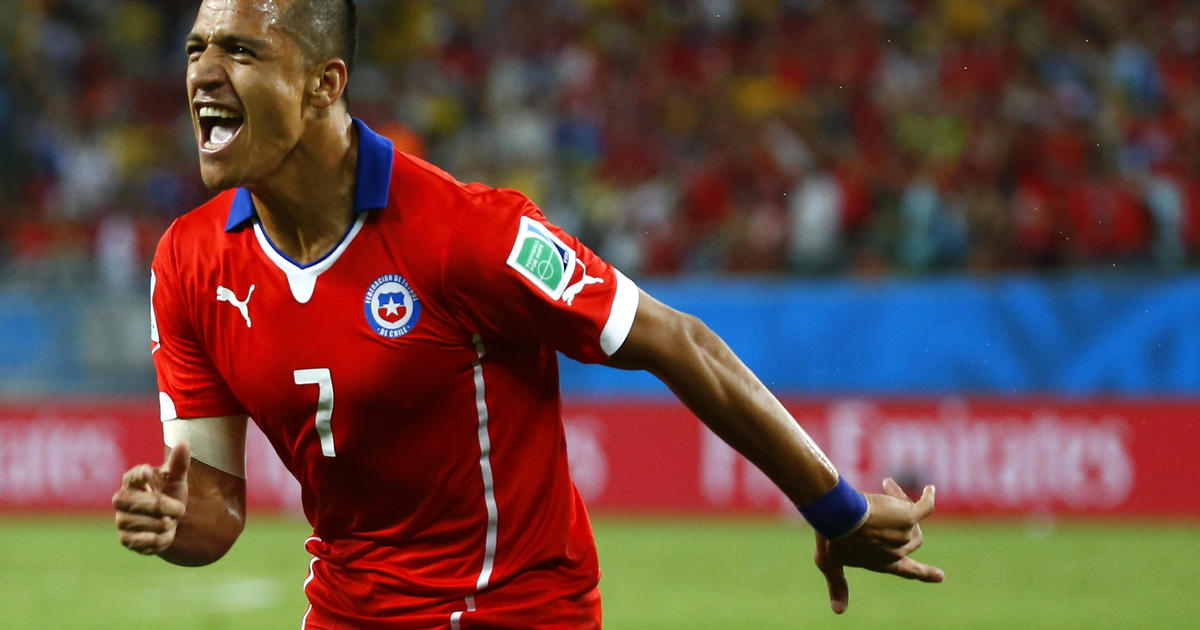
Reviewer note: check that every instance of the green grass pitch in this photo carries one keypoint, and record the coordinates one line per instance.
(691, 574)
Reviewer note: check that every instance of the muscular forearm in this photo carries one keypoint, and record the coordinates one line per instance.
(706, 375)
(730, 399)
(204, 535)
(215, 516)
(874, 531)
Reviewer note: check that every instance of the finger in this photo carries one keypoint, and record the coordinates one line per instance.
(835, 576)
(925, 503)
(893, 489)
(127, 522)
(150, 504)
(176, 467)
(915, 540)
(913, 570)
(126, 498)
(146, 542)
(839, 590)
(120, 499)
(137, 477)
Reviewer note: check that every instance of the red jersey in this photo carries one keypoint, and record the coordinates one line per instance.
(409, 381)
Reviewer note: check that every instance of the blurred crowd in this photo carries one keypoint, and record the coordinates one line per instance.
(675, 136)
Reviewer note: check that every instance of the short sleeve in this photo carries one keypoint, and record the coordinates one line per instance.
(513, 274)
(189, 385)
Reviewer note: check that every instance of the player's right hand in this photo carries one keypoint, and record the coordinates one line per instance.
(151, 501)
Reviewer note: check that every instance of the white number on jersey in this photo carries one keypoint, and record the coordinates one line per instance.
(324, 381)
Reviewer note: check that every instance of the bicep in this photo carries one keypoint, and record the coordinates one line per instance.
(685, 354)
(660, 337)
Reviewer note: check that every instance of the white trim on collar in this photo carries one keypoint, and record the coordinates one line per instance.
(302, 279)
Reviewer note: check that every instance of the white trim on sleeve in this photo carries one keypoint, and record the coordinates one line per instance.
(218, 442)
(620, 319)
(166, 407)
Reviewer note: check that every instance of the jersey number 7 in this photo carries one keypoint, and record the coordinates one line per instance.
(324, 382)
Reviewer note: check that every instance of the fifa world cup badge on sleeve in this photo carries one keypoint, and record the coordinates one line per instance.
(392, 307)
(541, 257)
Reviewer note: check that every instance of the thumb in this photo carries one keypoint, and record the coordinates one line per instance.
(175, 468)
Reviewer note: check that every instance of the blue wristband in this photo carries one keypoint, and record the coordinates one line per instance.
(837, 512)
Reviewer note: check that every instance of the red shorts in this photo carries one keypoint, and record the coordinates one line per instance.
(527, 602)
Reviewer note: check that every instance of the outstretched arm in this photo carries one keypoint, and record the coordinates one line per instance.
(706, 375)
(187, 511)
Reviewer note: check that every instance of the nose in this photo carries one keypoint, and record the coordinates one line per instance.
(205, 73)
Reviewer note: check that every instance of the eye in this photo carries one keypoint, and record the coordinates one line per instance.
(193, 51)
(242, 51)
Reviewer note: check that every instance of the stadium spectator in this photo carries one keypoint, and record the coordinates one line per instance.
(1018, 116)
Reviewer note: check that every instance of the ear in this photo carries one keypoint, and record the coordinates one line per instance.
(326, 85)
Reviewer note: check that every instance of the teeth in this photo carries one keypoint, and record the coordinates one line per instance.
(209, 111)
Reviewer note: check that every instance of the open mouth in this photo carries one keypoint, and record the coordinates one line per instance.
(218, 127)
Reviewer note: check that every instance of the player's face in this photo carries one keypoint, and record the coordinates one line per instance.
(245, 79)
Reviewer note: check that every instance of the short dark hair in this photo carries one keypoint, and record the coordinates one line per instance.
(324, 29)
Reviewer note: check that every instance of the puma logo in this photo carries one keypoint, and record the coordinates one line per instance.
(225, 295)
(568, 296)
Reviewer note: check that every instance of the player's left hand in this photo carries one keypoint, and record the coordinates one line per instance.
(883, 543)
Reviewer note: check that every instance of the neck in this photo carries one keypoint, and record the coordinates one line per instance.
(307, 205)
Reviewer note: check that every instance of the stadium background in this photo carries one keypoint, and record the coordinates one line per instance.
(959, 237)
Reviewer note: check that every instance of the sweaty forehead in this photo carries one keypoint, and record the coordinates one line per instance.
(254, 17)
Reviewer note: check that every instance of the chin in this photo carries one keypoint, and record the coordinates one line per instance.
(218, 179)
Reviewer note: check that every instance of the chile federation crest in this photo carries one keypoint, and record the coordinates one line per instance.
(392, 307)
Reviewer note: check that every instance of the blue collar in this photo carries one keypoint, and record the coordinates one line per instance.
(373, 179)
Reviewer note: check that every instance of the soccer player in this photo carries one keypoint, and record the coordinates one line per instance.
(393, 332)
